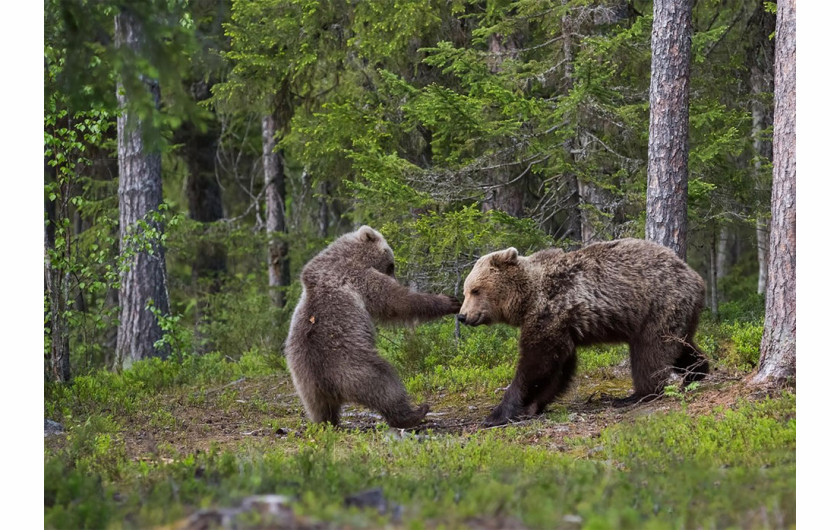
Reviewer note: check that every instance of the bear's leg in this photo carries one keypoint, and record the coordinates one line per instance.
(323, 410)
(691, 365)
(650, 364)
(320, 408)
(539, 374)
(374, 383)
(558, 385)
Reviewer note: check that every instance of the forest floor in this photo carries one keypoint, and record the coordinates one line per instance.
(267, 408)
(216, 445)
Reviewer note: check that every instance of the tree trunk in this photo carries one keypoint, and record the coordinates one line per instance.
(722, 257)
(762, 237)
(760, 57)
(505, 192)
(204, 199)
(140, 193)
(56, 286)
(275, 206)
(204, 194)
(778, 344)
(667, 183)
(713, 276)
(324, 193)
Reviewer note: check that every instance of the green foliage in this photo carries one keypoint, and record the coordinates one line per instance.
(449, 242)
(593, 358)
(83, 265)
(746, 343)
(78, 37)
(755, 435)
(730, 466)
(128, 392)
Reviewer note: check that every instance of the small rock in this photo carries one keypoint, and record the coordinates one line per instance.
(368, 499)
(210, 518)
(276, 505)
(52, 427)
(575, 519)
(281, 432)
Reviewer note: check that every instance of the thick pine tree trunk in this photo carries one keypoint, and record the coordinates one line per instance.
(275, 206)
(140, 192)
(667, 183)
(778, 344)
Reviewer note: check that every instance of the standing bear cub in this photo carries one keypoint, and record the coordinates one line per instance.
(627, 290)
(331, 347)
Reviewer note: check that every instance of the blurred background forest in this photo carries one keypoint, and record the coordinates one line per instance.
(269, 127)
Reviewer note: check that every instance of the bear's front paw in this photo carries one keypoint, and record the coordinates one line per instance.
(451, 304)
(411, 419)
(499, 416)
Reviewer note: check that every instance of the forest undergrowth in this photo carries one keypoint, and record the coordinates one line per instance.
(183, 443)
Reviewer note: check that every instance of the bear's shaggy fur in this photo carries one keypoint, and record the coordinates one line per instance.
(331, 347)
(627, 290)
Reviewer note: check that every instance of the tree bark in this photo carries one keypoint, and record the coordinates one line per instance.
(761, 83)
(503, 193)
(762, 237)
(778, 344)
(713, 276)
(667, 183)
(56, 284)
(204, 194)
(722, 257)
(324, 193)
(140, 193)
(275, 206)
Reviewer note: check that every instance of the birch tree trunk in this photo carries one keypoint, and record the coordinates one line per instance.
(667, 182)
(140, 193)
(778, 344)
(722, 259)
(275, 201)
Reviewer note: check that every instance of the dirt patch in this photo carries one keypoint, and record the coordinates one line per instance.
(264, 410)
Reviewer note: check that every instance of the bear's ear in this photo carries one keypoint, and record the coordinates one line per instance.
(367, 233)
(505, 257)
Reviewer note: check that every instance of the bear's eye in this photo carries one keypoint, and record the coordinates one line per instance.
(474, 291)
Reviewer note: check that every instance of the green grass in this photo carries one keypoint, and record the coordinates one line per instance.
(144, 448)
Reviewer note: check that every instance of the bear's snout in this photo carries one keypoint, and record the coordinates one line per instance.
(472, 319)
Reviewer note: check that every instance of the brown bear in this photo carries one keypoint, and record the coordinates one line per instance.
(331, 346)
(627, 290)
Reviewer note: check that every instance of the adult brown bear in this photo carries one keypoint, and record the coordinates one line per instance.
(627, 290)
(331, 347)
